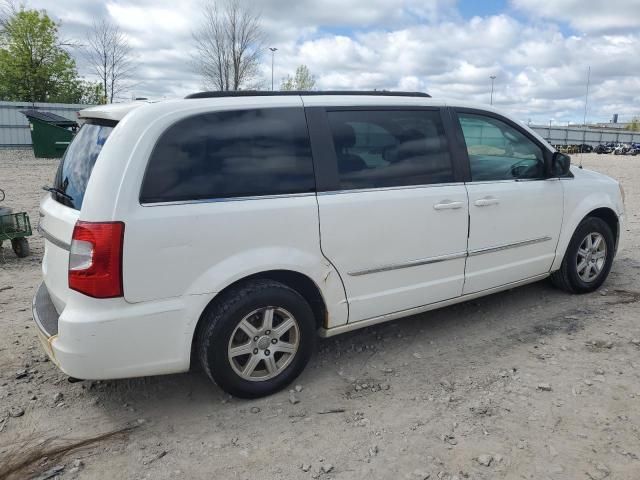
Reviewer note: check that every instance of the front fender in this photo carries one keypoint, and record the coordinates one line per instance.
(575, 211)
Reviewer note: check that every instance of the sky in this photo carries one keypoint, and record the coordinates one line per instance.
(538, 50)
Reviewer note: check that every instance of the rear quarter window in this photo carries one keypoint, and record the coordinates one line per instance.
(78, 161)
(229, 154)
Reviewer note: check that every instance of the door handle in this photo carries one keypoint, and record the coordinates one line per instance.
(486, 201)
(448, 205)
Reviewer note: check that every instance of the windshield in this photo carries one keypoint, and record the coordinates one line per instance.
(78, 161)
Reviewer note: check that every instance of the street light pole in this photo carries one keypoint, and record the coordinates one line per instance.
(492, 77)
(273, 53)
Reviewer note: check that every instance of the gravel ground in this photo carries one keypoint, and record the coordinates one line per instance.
(527, 384)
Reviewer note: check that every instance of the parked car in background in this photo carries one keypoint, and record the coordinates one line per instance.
(622, 149)
(231, 229)
(571, 149)
(605, 148)
(584, 148)
(599, 149)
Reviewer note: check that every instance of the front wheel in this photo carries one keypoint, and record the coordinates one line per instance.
(256, 339)
(588, 258)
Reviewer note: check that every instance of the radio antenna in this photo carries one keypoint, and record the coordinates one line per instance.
(584, 119)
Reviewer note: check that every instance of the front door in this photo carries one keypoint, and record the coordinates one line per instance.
(393, 221)
(515, 213)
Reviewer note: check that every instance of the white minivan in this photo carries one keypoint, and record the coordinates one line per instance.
(231, 229)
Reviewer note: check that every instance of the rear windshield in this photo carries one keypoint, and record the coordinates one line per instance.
(78, 161)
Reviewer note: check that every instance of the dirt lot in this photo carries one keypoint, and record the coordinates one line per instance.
(527, 384)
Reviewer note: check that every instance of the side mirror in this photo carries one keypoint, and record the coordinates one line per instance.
(560, 164)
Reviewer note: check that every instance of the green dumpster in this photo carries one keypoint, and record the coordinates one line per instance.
(50, 133)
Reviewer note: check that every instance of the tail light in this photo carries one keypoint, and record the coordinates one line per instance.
(95, 259)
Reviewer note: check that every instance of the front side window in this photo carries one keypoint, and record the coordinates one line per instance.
(235, 153)
(389, 148)
(497, 151)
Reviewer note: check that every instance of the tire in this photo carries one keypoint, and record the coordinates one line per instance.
(20, 247)
(569, 278)
(221, 329)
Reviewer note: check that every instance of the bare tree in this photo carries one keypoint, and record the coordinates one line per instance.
(228, 45)
(110, 55)
(8, 8)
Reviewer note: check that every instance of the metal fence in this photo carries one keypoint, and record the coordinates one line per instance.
(14, 127)
(557, 135)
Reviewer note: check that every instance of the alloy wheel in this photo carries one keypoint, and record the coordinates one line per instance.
(591, 257)
(264, 343)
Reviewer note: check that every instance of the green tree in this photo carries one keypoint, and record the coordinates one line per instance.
(84, 92)
(302, 80)
(34, 65)
(634, 126)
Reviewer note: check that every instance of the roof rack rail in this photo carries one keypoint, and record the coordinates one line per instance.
(269, 93)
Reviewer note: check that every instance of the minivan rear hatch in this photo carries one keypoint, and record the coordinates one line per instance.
(60, 209)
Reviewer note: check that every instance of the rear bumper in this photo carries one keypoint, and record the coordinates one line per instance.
(46, 318)
(107, 339)
(44, 312)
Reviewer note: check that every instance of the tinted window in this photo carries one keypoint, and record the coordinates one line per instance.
(390, 148)
(231, 154)
(78, 161)
(498, 151)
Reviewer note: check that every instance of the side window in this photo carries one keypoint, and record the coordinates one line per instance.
(388, 148)
(498, 151)
(231, 154)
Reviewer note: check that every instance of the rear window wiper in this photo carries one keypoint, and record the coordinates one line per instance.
(57, 191)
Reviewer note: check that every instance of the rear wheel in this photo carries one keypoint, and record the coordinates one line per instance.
(588, 258)
(20, 247)
(256, 339)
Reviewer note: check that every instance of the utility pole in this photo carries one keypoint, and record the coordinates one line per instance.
(273, 54)
(584, 119)
(492, 77)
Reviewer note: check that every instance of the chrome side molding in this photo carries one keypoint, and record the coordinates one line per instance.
(413, 263)
(444, 258)
(506, 246)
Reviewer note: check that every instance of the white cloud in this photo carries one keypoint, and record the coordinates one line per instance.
(540, 59)
(586, 15)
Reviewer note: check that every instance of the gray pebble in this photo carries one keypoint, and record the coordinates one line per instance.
(421, 474)
(326, 468)
(16, 412)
